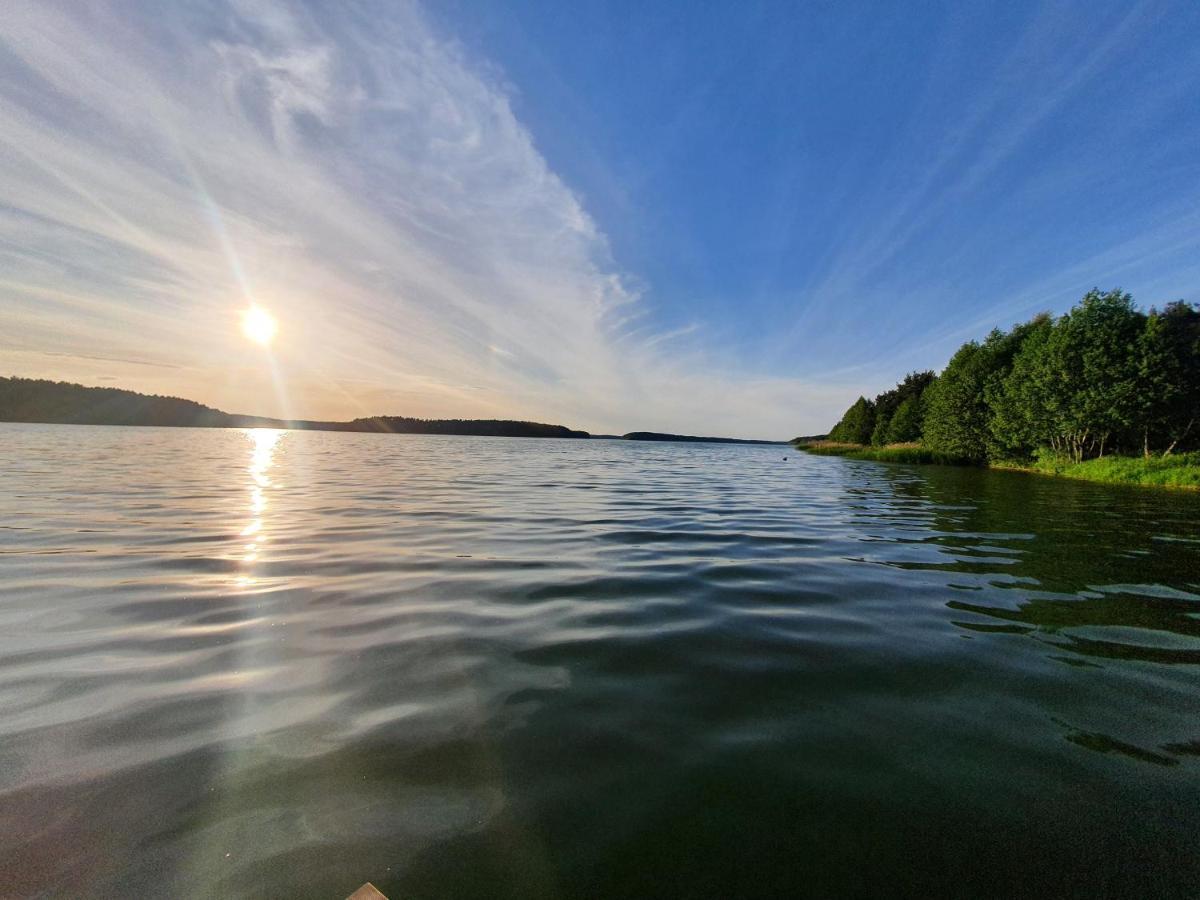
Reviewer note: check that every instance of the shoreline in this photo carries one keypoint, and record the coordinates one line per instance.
(242, 423)
(1179, 472)
(39, 401)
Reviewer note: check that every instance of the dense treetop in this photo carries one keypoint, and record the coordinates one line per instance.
(1103, 378)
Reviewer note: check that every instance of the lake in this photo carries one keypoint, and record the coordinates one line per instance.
(280, 664)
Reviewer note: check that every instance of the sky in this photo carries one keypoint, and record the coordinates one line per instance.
(708, 218)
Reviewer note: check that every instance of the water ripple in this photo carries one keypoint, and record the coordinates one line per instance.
(243, 664)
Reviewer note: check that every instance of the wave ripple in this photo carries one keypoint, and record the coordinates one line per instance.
(246, 664)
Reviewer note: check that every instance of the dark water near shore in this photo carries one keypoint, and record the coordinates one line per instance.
(265, 664)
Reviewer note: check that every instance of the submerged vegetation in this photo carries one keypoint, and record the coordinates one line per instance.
(1105, 392)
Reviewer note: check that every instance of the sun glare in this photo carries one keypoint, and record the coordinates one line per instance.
(259, 325)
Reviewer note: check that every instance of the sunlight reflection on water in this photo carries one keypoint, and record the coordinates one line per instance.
(263, 443)
(257, 663)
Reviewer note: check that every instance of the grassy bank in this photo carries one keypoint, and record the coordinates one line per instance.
(1181, 470)
(901, 453)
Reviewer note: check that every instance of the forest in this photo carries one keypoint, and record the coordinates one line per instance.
(59, 402)
(1103, 379)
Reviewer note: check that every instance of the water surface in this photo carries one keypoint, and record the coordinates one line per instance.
(279, 664)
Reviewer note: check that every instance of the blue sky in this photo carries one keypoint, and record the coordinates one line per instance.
(920, 163)
(718, 218)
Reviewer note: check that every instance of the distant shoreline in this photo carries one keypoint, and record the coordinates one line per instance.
(43, 402)
(689, 439)
(1179, 471)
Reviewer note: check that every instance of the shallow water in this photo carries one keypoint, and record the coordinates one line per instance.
(279, 664)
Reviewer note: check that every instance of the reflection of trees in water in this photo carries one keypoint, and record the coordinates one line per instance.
(1100, 576)
(1103, 743)
(1121, 610)
(1062, 536)
(1084, 556)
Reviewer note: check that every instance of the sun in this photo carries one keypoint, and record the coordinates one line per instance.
(259, 325)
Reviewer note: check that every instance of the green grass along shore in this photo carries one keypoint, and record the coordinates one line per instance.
(1178, 470)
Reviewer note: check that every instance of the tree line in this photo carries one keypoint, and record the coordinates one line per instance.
(60, 402)
(38, 400)
(1103, 378)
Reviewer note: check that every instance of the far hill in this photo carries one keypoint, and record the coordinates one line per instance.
(689, 438)
(59, 402)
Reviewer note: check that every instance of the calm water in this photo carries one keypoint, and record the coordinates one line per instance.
(271, 664)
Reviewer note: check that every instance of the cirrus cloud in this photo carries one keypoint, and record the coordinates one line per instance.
(355, 173)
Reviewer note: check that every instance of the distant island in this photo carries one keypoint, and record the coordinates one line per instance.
(689, 439)
(62, 403)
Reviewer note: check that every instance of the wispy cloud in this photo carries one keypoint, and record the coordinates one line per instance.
(1022, 176)
(348, 168)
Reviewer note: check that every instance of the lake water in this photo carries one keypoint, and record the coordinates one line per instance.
(280, 664)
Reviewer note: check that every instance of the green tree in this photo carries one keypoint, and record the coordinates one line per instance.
(1073, 384)
(857, 424)
(956, 413)
(1101, 351)
(883, 420)
(958, 410)
(889, 402)
(1102, 378)
(1019, 398)
(1169, 377)
(905, 425)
